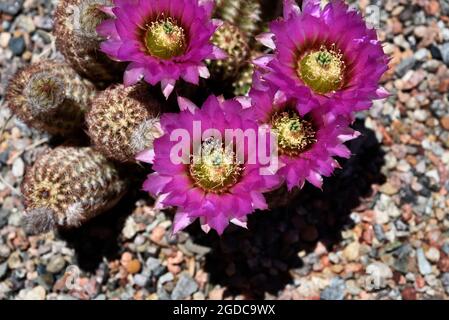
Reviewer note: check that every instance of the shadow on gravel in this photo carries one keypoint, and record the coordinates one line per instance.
(262, 258)
(99, 238)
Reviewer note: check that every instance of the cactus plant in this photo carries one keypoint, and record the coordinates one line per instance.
(233, 41)
(78, 41)
(245, 14)
(69, 186)
(124, 121)
(50, 96)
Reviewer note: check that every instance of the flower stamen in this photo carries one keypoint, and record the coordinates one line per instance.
(295, 135)
(322, 70)
(217, 170)
(165, 38)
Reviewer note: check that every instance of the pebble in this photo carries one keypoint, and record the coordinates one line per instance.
(14, 260)
(351, 252)
(409, 293)
(423, 265)
(445, 281)
(422, 55)
(388, 189)
(4, 39)
(17, 45)
(26, 23)
(405, 65)
(445, 122)
(18, 168)
(379, 272)
(3, 269)
(37, 293)
(335, 291)
(130, 229)
(433, 254)
(185, 287)
(133, 266)
(56, 264)
(11, 7)
(140, 280)
(444, 49)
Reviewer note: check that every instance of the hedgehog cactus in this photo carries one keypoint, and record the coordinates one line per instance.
(69, 186)
(245, 14)
(78, 41)
(50, 96)
(124, 121)
(233, 41)
(242, 84)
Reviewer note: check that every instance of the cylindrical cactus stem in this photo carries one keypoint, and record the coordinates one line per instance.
(78, 41)
(245, 14)
(244, 81)
(68, 186)
(50, 96)
(242, 84)
(233, 41)
(124, 121)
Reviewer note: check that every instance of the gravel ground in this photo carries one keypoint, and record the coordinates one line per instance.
(378, 230)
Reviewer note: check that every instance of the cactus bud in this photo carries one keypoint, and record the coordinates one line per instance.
(229, 38)
(245, 14)
(50, 96)
(69, 186)
(124, 121)
(78, 41)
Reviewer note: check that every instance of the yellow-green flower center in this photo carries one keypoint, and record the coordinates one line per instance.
(165, 39)
(295, 135)
(217, 171)
(322, 70)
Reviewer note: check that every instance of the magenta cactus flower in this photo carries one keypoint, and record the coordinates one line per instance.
(164, 41)
(218, 189)
(307, 140)
(325, 55)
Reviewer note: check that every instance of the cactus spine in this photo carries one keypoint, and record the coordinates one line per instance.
(50, 96)
(69, 186)
(78, 41)
(124, 121)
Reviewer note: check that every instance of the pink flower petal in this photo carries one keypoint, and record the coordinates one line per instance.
(167, 86)
(266, 39)
(146, 156)
(186, 105)
(181, 221)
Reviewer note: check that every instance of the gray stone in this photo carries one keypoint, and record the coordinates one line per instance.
(18, 168)
(11, 7)
(185, 287)
(3, 217)
(152, 264)
(379, 232)
(445, 248)
(165, 278)
(444, 49)
(405, 65)
(17, 45)
(424, 266)
(3, 269)
(140, 280)
(335, 291)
